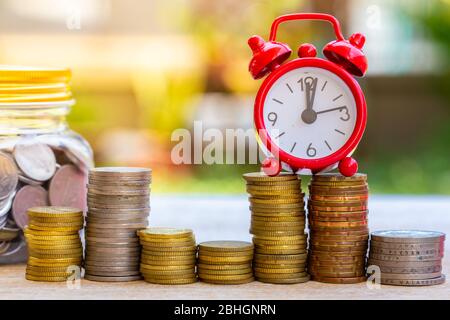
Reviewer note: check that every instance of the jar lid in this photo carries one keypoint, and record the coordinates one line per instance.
(28, 84)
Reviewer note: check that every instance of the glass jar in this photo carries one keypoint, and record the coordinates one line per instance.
(42, 161)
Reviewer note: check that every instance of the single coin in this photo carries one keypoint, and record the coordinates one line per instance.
(222, 253)
(202, 271)
(339, 199)
(225, 246)
(95, 191)
(224, 277)
(107, 216)
(423, 282)
(154, 268)
(9, 176)
(407, 246)
(279, 214)
(223, 260)
(55, 212)
(334, 176)
(45, 279)
(164, 233)
(120, 171)
(263, 250)
(260, 176)
(349, 280)
(343, 275)
(407, 252)
(284, 281)
(386, 257)
(266, 258)
(404, 264)
(411, 270)
(36, 160)
(93, 269)
(341, 233)
(272, 275)
(171, 281)
(136, 225)
(8, 234)
(130, 264)
(26, 198)
(347, 208)
(172, 262)
(112, 278)
(68, 187)
(258, 207)
(113, 273)
(417, 276)
(343, 218)
(408, 236)
(291, 270)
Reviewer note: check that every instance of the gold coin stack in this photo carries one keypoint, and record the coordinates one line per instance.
(225, 262)
(407, 257)
(339, 233)
(118, 206)
(168, 255)
(278, 228)
(54, 243)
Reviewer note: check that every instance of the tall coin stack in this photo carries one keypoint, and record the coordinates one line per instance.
(118, 206)
(168, 255)
(225, 262)
(278, 227)
(339, 233)
(54, 243)
(408, 257)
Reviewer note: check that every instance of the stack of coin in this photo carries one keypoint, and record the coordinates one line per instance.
(225, 262)
(168, 255)
(39, 171)
(54, 243)
(338, 226)
(408, 257)
(118, 206)
(278, 227)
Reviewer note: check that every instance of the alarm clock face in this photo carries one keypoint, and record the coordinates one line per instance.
(309, 113)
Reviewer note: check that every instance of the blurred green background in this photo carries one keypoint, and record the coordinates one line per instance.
(143, 69)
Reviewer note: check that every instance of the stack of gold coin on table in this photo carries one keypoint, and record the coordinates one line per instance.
(54, 243)
(338, 227)
(168, 255)
(278, 227)
(408, 257)
(225, 262)
(118, 205)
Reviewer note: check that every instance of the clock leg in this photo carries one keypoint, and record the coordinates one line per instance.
(348, 166)
(271, 166)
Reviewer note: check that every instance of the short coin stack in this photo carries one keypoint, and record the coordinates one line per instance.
(337, 216)
(168, 255)
(278, 227)
(225, 262)
(118, 205)
(408, 257)
(54, 243)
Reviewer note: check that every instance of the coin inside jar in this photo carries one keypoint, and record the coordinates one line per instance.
(36, 160)
(8, 176)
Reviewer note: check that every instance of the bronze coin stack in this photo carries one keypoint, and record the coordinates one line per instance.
(225, 262)
(339, 233)
(54, 244)
(278, 228)
(168, 255)
(118, 206)
(407, 257)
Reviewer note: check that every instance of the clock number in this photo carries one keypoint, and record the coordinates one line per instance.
(346, 116)
(311, 151)
(272, 117)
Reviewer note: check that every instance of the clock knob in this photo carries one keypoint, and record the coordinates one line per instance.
(348, 166)
(271, 166)
(307, 50)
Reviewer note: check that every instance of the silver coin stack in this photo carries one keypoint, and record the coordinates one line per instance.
(37, 171)
(118, 206)
(407, 257)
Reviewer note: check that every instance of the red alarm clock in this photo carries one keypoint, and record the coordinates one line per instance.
(310, 113)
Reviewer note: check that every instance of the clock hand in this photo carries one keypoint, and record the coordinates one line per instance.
(346, 115)
(332, 109)
(309, 115)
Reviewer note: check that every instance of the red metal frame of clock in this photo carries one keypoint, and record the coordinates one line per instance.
(313, 164)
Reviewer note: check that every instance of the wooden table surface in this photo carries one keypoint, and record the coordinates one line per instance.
(227, 217)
